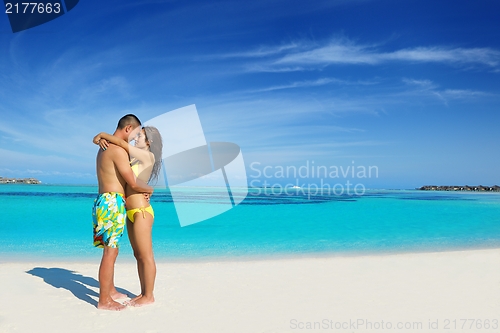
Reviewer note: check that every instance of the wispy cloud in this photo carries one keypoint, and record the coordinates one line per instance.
(309, 83)
(264, 68)
(299, 153)
(427, 87)
(464, 93)
(19, 164)
(457, 94)
(262, 51)
(427, 84)
(56, 131)
(484, 56)
(341, 51)
(115, 84)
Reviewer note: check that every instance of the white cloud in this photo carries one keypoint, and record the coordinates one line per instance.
(335, 52)
(268, 69)
(262, 51)
(314, 83)
(484, 56)
(429, 88)
(342, 51)
(17, 159)
(115, 84)
(301, 152)
(53, 135)
(464, 93)
(420, 83)
(300, 84)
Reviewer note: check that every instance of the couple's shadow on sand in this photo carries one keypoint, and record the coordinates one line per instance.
(76, 283)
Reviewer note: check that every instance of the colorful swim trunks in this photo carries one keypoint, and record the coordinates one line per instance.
(108, 215)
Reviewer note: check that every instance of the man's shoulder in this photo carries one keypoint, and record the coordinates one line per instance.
(115, 150)
(117, 154)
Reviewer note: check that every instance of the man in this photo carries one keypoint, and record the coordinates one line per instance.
(113, 174)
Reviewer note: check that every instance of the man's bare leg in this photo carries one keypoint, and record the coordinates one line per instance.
(106, 281)
(115, 295)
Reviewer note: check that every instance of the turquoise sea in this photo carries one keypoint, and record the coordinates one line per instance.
(54, 222)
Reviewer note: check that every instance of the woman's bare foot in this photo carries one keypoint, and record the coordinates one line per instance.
(135, 298)
(129, 302)
(141, 301)
(110, 305)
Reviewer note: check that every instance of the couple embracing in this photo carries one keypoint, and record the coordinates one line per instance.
(123, 173)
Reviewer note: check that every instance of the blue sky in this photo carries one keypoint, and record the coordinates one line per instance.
(412, 87)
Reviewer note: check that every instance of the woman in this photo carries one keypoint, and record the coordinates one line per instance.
(146, 163)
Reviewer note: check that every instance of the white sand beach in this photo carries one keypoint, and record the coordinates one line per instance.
(421, 292)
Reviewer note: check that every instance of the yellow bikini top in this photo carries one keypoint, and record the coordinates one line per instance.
(135, 167)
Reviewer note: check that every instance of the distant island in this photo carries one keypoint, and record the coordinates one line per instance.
(479, 188)
(19, 181)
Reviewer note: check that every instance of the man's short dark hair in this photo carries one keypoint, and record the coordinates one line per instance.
(128, 119)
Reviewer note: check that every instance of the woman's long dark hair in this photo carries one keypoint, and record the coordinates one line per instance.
(153, 138)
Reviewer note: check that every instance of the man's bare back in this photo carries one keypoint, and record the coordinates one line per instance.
(107, 172)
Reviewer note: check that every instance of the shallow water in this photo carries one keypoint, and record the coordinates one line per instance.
(55, 222)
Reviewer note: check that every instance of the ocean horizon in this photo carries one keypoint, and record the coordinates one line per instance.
(54, 222)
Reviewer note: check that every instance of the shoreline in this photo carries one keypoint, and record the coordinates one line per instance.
(128, 258)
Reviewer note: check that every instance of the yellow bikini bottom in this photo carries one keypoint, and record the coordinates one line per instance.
(143, 210)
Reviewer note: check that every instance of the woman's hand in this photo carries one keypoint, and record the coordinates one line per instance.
(101, 142)
(96, 139)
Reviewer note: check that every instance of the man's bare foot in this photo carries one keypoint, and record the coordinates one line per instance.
(117, 295)
(110, 305)
(141, 301)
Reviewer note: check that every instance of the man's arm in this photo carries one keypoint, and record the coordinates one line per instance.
(123, 166)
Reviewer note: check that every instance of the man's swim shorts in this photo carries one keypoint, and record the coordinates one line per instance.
(108, 215)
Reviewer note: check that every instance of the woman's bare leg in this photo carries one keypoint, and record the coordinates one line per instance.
(141, 241)
(133, 243)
